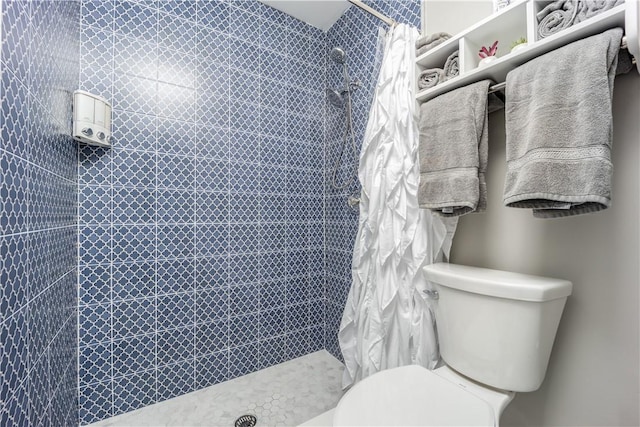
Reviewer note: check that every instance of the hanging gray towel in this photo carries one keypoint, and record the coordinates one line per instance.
(558, 128)
(453, 151)
(625, 62)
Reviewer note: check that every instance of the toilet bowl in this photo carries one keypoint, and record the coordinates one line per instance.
(495, 330)
(415, 396)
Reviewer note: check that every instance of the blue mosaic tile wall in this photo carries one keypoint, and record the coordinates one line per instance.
(357, 33)
(38, 214)
(201, 229)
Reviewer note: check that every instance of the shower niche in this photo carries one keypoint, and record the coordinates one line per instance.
(516, 21)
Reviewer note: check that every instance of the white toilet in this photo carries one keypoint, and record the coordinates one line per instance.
(495, 329)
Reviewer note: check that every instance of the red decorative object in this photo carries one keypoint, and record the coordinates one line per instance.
(484, 52)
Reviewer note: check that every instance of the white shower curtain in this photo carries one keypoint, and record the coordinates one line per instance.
(387, 322)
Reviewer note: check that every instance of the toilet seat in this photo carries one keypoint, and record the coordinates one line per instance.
(411, 396)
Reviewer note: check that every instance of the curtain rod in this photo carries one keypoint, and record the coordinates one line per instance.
(373, 12)
(499, 86)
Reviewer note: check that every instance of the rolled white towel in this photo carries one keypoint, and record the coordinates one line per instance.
(429, 78)
(452, 66)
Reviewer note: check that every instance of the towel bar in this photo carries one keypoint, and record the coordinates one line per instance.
(499, 86)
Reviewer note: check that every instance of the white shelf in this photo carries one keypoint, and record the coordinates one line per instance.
(520, 13)
(438, 55)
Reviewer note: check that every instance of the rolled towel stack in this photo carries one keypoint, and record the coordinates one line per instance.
(429, 78)
(554, 21)
(592, 8)
(452, 66)
(434, 76)
(562, 14)
(425, 43)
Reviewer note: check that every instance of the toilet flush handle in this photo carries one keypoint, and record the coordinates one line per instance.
(432, 294)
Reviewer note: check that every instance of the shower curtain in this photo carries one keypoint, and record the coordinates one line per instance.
(387, 322)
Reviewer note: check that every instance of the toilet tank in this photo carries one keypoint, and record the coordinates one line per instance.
(496, 327)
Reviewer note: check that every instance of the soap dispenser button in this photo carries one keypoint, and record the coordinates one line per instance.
(87, 131)
(100, 135)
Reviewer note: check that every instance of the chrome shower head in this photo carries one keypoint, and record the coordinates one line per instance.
(335, 98)
(338, 55)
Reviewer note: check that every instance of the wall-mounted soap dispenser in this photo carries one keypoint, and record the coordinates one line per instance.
(91, 119)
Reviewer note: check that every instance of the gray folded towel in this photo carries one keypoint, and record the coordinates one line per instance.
(429, 78)
(453, 151)
(423, 44)
(555, 21)
(562, 14)
(451, 66)
(425, 40)
(558, 128)
(592, 8)
(422, 50)
(564, 5)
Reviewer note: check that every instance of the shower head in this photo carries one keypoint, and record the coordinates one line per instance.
(338, 55)
(335, 98)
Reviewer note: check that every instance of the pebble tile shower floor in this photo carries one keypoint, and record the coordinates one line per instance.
(287, 394)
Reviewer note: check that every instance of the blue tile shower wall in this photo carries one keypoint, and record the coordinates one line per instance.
(201, 230)
(358, 34)
(38, 214)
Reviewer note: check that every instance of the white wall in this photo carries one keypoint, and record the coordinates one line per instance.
(453, 16)
(593, 376)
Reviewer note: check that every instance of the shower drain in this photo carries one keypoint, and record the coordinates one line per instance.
(246, 421)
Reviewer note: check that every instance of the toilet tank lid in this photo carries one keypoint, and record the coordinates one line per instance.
(503, 284)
